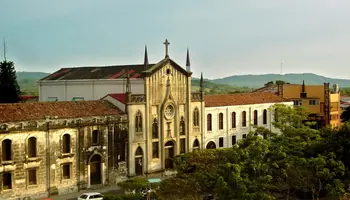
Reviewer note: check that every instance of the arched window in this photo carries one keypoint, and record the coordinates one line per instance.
(155, 129)
(221, 121)
(32, 147)
(196, 117)
(182, 126)
(6, 150)
(196, 145)
(138, 121)
(66, 143)
(209, 122)
(244, 119)
(255, 117)
(265, 116)
(233, 119)
(95, 137)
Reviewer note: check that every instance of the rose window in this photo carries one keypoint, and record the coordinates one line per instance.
(169, 111)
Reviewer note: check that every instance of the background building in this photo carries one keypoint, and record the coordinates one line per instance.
(231, 117)
(321, 101)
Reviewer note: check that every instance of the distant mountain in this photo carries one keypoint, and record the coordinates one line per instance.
(256, 81)
(31, 75)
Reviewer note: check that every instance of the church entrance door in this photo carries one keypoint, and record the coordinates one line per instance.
(138, 162)
(169, 154)
(95, 170)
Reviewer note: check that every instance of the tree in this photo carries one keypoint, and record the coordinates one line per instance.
(345, 115)
(9, 88)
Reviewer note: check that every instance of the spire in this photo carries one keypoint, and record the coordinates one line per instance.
(145, 62)
(128, 85)
(188, 63)
(166, 43)
(201, 86)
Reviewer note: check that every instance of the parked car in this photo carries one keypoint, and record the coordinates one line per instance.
(91, 196)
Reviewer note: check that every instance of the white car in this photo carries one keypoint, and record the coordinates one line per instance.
(91, 196)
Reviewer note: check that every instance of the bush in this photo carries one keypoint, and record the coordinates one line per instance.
(133, 184)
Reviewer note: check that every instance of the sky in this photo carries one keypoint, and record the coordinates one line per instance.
(225, 37)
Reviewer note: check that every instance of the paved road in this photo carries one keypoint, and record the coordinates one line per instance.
(109, 190)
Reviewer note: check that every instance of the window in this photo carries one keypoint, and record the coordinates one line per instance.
(244, 135)
(233, 119)
(196, 145)
(66, 143)
(255, 117)
(66, 171)
(233, 140)
(314, 102)
(221, 121)
(244, 119)
(138, 122)
(209, 122)
(221, 142)
(121, 137)
(155, 129)
(155, 150)
(183, 145)
(297, 102)
(84, 196)
(265, 116)
(95, 137)
(32, 177)
(6, 150)
(32, 147)
(182, 126)
(196, 117)
(7, 180)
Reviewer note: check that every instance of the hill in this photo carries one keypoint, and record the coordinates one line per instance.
(256, 81)
(27, 81)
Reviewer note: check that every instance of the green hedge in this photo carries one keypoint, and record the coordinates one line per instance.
(134, 184)
(124, 197)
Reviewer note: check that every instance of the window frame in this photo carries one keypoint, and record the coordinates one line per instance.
(209, 122)
(244, 118)
(233, 120)
(221, 121)
(264, 116)
(32, 152)
(255, 117)
(5, 155)
(28, 176)
(65, 149)
(69, 165)
(221, 141)
(98, 139)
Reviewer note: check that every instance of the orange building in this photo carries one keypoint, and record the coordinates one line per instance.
(320, 101)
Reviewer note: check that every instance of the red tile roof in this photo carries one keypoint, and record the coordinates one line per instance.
(121, 97)
(65, 109)
(242, 99)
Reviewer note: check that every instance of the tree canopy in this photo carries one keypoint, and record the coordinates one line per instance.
(296, 161)
(9, 88)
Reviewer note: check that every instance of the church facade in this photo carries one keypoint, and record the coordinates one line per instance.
(165, 118)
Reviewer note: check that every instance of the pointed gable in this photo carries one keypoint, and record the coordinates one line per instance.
(164, 62)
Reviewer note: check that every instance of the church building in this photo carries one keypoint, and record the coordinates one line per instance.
(165, 117)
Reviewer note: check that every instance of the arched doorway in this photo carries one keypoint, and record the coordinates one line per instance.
(169, 154)
(138, 162)
(95, 170)
(196, 144)
(211, 145)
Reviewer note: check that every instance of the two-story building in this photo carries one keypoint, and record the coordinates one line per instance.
(320, 101)
(231, 117)
(60, 147)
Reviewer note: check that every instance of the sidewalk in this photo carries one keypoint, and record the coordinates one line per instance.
(111, 189)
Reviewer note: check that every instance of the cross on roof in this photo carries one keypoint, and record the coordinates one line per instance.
(166, 43)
